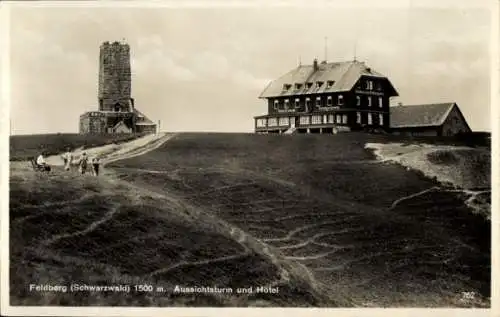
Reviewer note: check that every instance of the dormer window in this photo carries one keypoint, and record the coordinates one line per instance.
(340, 100)
(369, 85)
(298, 86)
(318, 101)
(319, 84)
(330, 83)
(286, 87)
(309, 85)
(329, 101)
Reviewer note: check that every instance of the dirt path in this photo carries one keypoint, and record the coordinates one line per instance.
(113, 152)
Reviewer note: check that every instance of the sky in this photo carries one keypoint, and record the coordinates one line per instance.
(203, 68)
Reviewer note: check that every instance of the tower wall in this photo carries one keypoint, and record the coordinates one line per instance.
(116, 111)
(115, 79)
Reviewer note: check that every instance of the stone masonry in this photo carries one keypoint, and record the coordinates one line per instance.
(116, 111)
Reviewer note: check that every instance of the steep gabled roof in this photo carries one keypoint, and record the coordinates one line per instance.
(121, 123)
(343, 74)
(427, 115)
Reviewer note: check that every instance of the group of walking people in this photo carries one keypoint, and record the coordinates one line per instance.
(84, 163)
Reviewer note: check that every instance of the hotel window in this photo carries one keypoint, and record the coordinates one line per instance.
(370, 118)
(284, 121)
(297, 102)
(304, 120)
(340, 100)
(318, 101)
(287, 103)
(272, 122)
(330, 83)
(381, 119)
(358, 117)
(308, 103)
(378, 86)
(358, 101)
(261, 123)
(276, 104)
(339, 118)
(316, 119)
(369, 101)
(344, 119)
(380, 102)
(329, 102)
(330, 118)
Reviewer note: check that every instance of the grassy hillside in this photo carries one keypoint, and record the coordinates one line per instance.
(114, 233)
(316, 215)
(23, 147)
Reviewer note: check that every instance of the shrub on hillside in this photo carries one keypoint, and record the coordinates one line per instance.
(442, 158)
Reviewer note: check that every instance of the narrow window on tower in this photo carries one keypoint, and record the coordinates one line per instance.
(381, 119)
(380, 102)
(358, 101)
(358, 117)
(370, 118)
(369, 101)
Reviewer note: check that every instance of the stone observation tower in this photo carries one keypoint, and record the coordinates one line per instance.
(115, 78)
(116, 112)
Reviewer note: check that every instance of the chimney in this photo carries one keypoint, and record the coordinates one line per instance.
(400, 104)
(315, 64)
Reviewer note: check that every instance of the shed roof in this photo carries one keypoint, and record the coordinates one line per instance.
(425, 115)
(142, 119)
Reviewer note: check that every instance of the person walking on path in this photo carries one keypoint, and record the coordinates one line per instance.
(68, 159)
(84, 161)
(95, 166)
